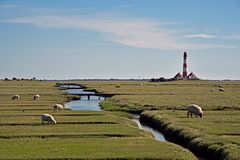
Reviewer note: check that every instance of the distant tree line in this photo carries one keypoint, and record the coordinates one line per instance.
(18, 79)
(161, 79)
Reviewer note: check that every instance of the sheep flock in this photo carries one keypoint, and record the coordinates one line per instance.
(44, 117)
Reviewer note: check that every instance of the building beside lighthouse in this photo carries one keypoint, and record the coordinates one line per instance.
(185, 75)
(180, 75)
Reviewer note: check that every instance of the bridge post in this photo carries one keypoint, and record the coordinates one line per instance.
(80, 97)
(88, 97)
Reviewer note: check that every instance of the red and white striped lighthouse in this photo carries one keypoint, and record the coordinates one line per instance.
(185, 65)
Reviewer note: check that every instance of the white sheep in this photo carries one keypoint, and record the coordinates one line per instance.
(194, 109)
(15, 97)
(49, 118)
(36, 97)
(221, 89)
(58, 107)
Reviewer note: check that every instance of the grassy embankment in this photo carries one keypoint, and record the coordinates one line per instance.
(77, 134)
(217, 134)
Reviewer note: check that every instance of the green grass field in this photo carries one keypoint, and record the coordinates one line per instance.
(217, 134)
(172, 95)
(77, 134)
(91, 148)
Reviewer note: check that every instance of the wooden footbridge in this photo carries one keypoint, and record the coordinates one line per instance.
(88, 94)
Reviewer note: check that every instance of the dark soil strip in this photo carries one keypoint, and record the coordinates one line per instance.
(236, 134)
(79, 114)
(88, 123)
(66, 158)
(23, 109)
(39, 124)
(67, 136)
(22, 105)
(29, 115)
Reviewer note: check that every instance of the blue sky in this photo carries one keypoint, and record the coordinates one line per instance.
(62, 39)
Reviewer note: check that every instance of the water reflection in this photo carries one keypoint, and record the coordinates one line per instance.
(93, 104)
(158, 136)
(77, 91)
(85, 104)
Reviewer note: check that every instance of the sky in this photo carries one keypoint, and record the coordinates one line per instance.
(103, 39)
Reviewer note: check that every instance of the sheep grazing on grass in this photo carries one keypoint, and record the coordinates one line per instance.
(58, 107)
(221, 89)
(49, 118)
(194, 109)
(117, 86)
(15, 97)
(36, 97)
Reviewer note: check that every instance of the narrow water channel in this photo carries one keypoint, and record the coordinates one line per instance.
(157, 135)
(93, 104)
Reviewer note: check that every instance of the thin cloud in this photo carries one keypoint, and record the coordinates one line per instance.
(7, 6)
(137, 32)
(200, 36)
(209, 36)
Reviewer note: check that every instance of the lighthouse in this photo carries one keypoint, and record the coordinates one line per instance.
(185, 65)
(185, 75)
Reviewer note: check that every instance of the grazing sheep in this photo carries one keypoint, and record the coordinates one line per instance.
(221, 86)
(140, 85)
(36, 97)
(221, 89)
(49, 118)
(15, 97)
(212, 90)
(194, 109)
(58, 107)
(117, 86)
